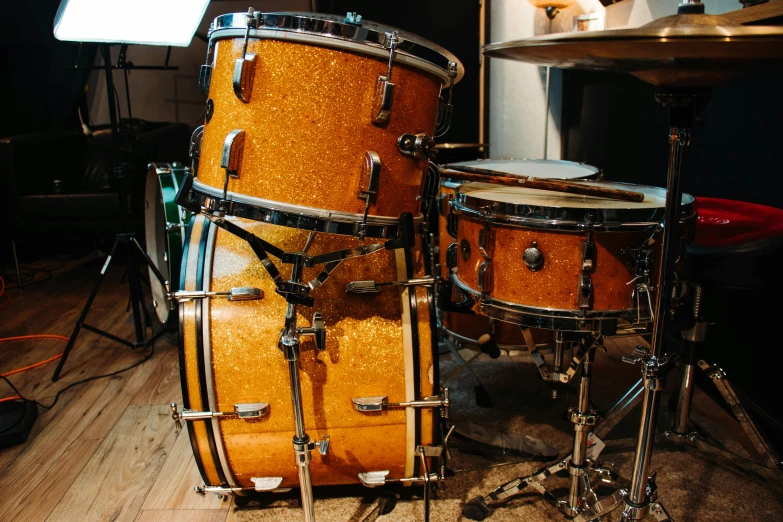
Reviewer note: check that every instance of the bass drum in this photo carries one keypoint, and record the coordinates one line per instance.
(164, 229)
(465, 329)
(377, 344)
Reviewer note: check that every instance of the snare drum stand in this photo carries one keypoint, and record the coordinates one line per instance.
(582, 503)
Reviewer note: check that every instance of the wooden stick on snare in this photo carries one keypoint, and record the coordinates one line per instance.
(554, 185)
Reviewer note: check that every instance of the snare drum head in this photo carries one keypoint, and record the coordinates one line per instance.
(522, 203)
(545, 169)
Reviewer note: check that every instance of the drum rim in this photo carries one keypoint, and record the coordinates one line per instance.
(556, 318)
(307, 218)
(569, 218)
(333, 31)
(453, 184)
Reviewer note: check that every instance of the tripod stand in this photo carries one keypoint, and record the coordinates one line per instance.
(125, 239)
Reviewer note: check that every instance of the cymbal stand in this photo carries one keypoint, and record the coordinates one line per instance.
(582, 501)
(640, 499)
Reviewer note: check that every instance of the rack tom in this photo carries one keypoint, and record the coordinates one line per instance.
(559, 261)
(314, 119)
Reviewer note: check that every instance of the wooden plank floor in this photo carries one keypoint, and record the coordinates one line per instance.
(108, 449)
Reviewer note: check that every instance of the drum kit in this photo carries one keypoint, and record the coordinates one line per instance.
(318, 212)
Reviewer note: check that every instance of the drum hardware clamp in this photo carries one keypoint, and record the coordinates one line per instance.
(245, 67)
(318, 331)
(585, 289)
(384, 92)
(252, 410)
(420, 146)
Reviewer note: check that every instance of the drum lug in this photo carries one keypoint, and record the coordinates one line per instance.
(371, 172)
(485, 277)
(446, 109)
(384, 91)
(195, 148)
(253, 410)
(373, 287)
(585, 291)
(244, 293)
(233, 147)
(419, 146)
(381, 402)
(205, 78)
(451, 256)
(245, 67)
(584, 294)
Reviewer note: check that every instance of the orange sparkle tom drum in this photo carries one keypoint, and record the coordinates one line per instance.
(376, 345)
(559, 261)
(312, 119)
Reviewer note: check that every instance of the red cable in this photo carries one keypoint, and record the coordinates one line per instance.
(34, 365)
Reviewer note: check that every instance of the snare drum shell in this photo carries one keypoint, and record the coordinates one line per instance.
(229, 356)
(556, 283)
(308, 127)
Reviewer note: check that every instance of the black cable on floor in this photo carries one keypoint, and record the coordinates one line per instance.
(93, 378)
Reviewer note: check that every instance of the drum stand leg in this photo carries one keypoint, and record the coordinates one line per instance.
(582, 501)
(679, 433)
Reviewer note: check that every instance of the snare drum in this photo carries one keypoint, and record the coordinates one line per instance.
(377, 344)
(559, 261)
(467, 326)
(319, 118)
(164, 230)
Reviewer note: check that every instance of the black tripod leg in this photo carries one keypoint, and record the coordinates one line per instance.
(84, 313)
(133, 280)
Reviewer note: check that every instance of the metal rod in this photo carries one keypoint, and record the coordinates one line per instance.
(546, 111)
(684, 401)
(678, 139)
(301, 442)
(579, 455)
(559, 352)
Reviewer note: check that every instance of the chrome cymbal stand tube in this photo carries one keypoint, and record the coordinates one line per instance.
(642, 494)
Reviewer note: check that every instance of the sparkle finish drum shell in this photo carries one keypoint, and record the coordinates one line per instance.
(376, 345)
(308, 119)
(472, 326)
(557, 225)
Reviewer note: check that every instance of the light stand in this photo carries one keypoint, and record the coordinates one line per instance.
(128, 241)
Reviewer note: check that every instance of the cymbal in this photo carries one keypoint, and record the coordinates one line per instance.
(684, 50)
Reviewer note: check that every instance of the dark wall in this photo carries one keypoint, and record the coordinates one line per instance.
(453, 24)
(612, 121)
(37, 87)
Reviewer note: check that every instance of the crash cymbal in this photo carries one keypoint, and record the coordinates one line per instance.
(684, 50)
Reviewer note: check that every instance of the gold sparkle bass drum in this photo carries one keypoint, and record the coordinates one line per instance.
(235, 381)
(315, 120)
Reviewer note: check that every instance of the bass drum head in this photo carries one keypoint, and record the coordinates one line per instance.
(164, 224)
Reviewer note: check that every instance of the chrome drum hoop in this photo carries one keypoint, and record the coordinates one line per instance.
(549, 318)
(328, 30)
(295, 216)
(569, 218)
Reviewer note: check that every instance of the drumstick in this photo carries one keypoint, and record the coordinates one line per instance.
(554, 185)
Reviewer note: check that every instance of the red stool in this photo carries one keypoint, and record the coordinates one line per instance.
(736, 245)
